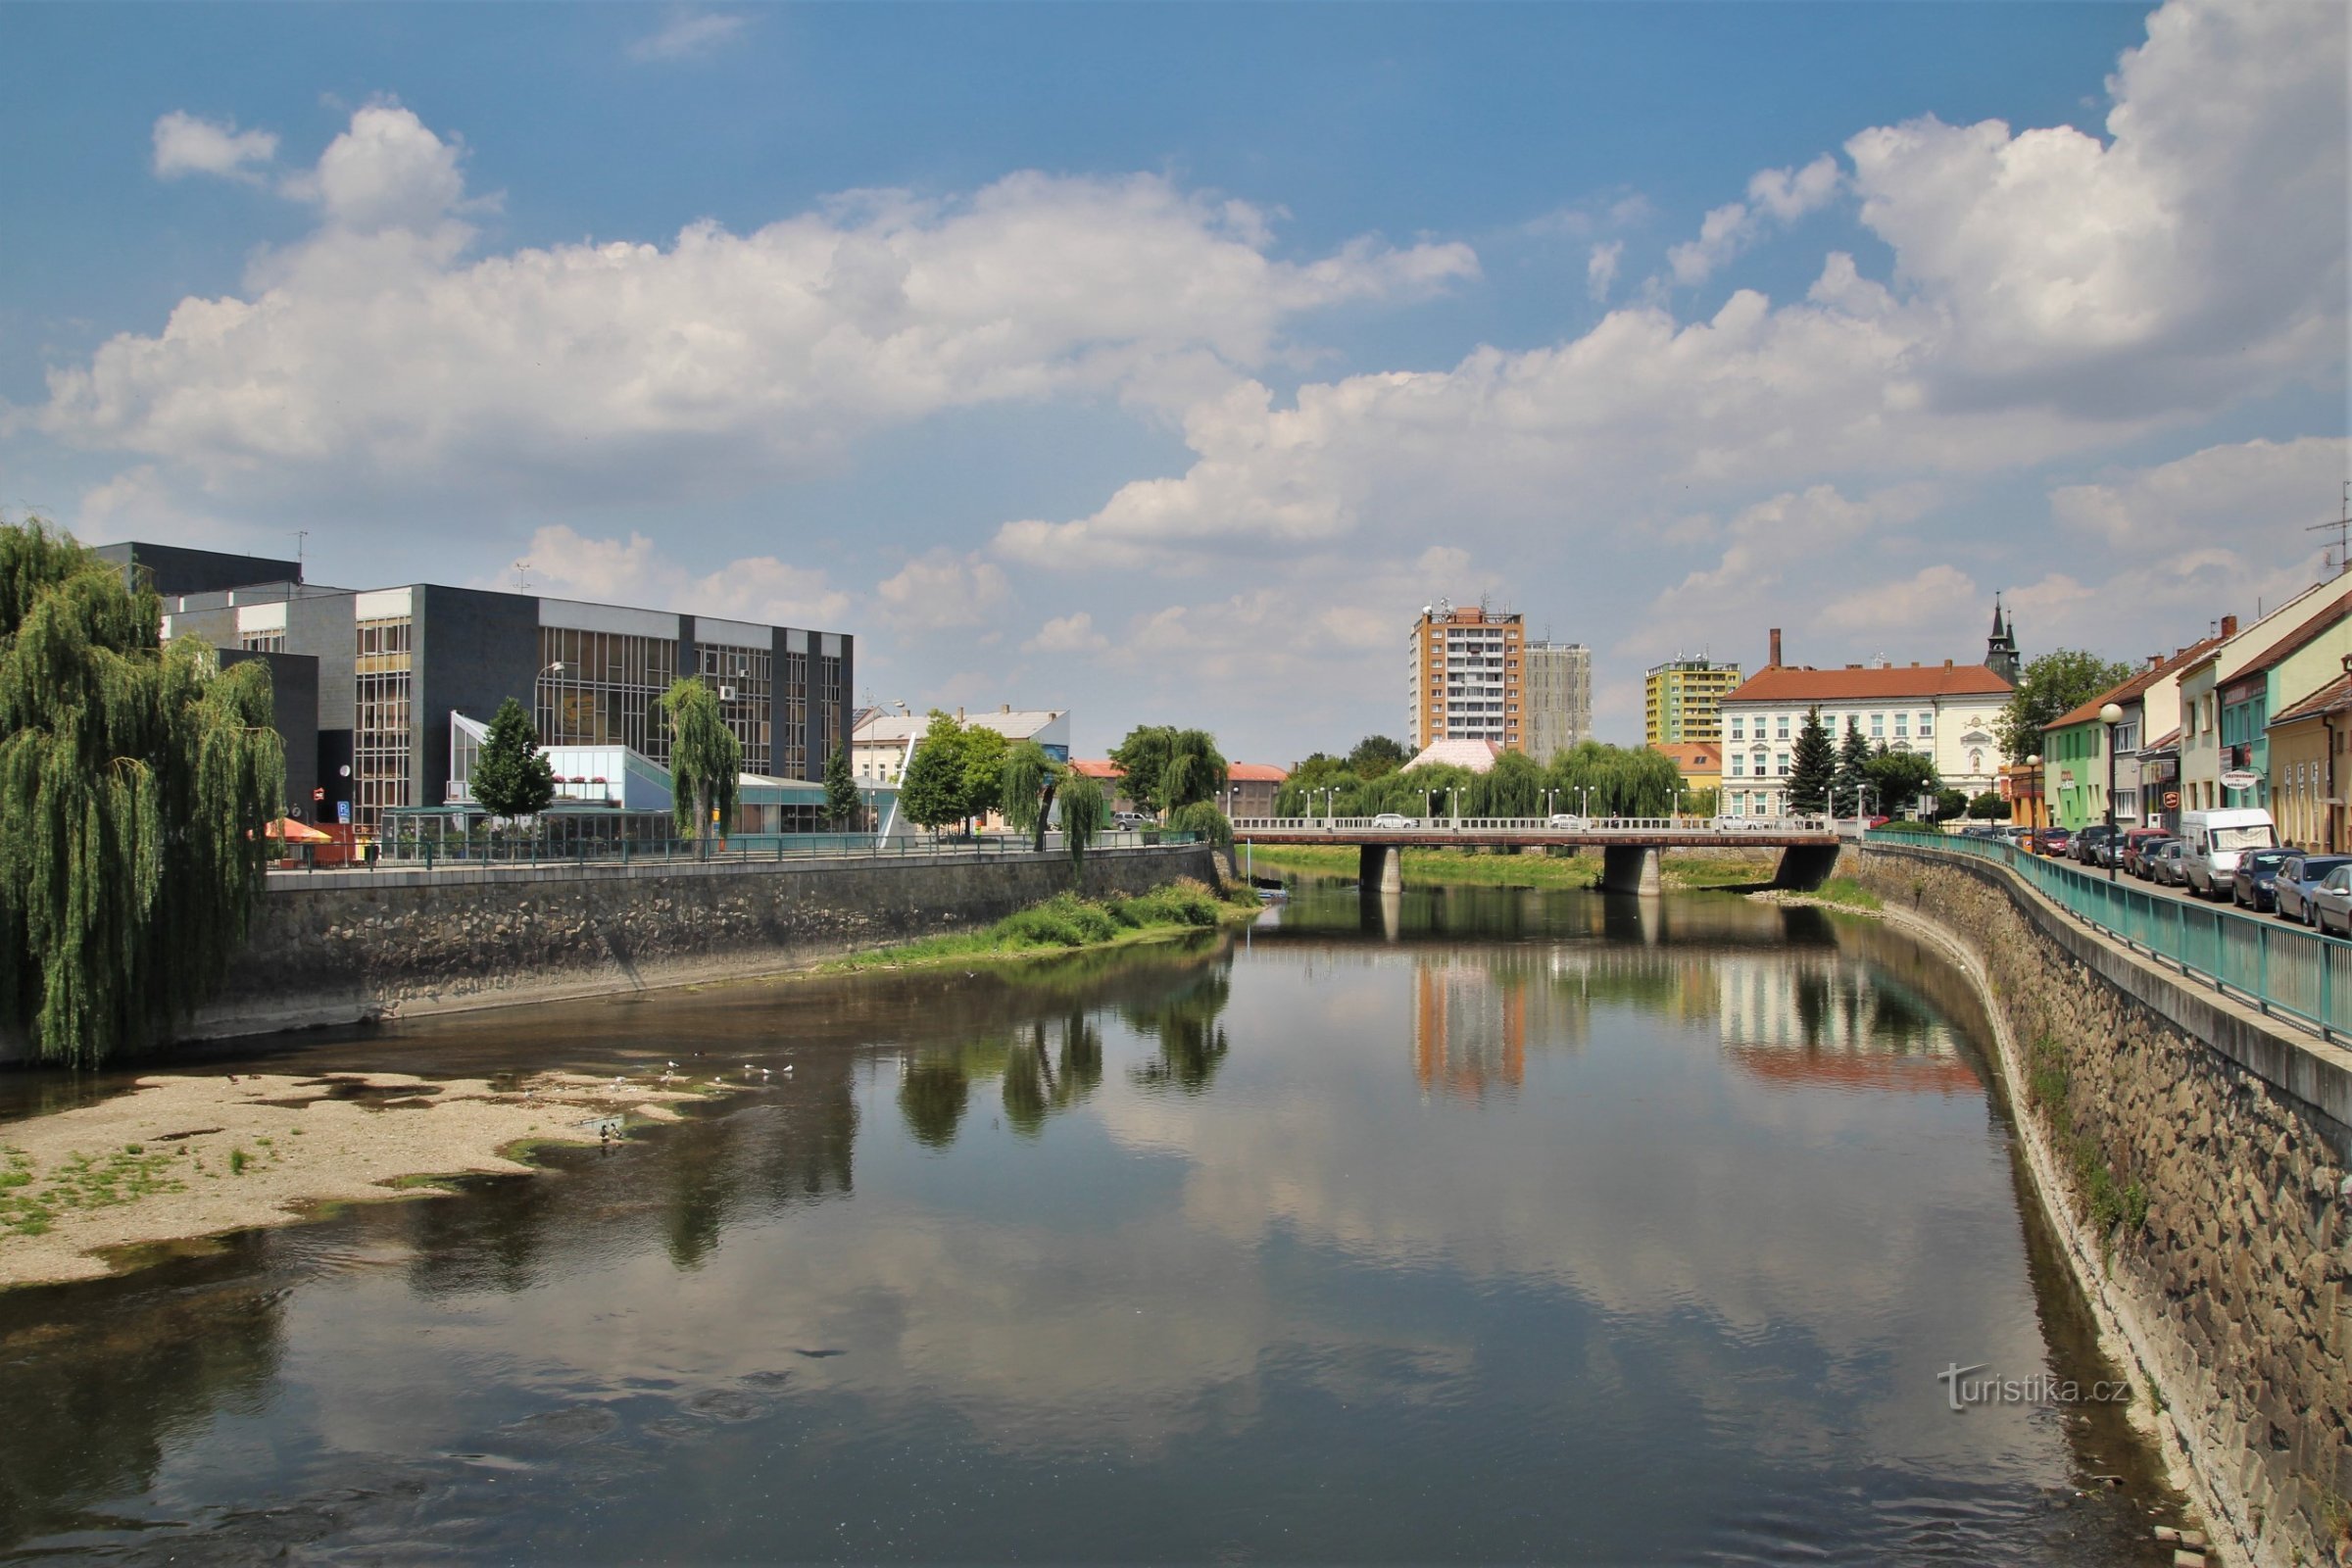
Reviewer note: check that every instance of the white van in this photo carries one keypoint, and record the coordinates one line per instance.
(2211, 841)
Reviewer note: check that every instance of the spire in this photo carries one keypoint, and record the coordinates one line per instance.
(2000, 648)
(1997, 618)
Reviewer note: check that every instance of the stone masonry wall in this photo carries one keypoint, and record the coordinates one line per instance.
(352, 945)
(2208, 1202)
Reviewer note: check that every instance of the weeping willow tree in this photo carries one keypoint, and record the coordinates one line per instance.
(1029, 780)
(135, 784)
(706, 760)
(1083, 813)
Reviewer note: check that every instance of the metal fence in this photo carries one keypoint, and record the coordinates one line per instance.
(1631, 827)
(524, 851)
(2282, 969)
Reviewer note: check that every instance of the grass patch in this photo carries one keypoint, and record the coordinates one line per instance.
(1714, 871)
(1066, 922)
(1845, 891)
(2102, 1199)
(1435, 867)
(30, 1204)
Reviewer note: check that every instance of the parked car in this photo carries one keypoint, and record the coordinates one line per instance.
(2250, 885)
(2331, 902)
(2290, 889)
(1391, 820)
(2136, 844)
(2215, 840)
(2084, 846)
(2049, 840)
(1577, 824)
(1129, 821)
(2165, 866)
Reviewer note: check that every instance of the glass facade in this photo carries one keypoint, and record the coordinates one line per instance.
(792, 748)
(262, 642)
(609, 691)
(827, 698)
(745, 680)
(382, 735)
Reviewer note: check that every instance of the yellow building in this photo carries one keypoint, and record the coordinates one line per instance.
(1683, 698)
(2310, 758)
(1700, 763)
(1468, 680)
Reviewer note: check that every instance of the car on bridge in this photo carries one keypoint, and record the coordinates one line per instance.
(2251, 885)
(2331, 902)
(1391, 820)
(2290, 889)
(1574, 823)
(2136, 845)
(2049, 840)
(2164, 865)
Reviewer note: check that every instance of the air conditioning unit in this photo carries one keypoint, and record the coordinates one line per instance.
(726, 694)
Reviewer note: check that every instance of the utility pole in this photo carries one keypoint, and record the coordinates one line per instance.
(301, 550)
(522, 576)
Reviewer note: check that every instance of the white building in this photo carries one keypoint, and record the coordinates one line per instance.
(1944, 711)
(881, 741)
(1560, 697)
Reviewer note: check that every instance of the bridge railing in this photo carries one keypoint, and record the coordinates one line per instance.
(2282, 969)
(1632, 827)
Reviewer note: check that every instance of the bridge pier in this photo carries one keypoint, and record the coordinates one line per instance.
(1805, 866)
(1630, 868)
(1380, 869)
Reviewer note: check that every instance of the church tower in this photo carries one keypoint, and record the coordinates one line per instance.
(2000, 648)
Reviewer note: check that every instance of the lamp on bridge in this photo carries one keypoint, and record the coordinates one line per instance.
(2111, 715)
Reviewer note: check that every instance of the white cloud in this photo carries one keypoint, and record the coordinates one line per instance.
(567, 564)
(187, 145)
(1067, 634)
(1601, 267)
(1930, 600)
(375, 353)
(689, 34)
(1778, 195)
(2256, 493)
(941, 589)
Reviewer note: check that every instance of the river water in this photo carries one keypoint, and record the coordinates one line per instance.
(1478, 1225)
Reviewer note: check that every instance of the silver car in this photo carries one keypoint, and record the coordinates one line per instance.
(2331, 902)
(2165, 866)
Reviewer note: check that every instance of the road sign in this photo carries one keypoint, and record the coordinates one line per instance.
(343, 810)
(318, 794)
(2241, 778)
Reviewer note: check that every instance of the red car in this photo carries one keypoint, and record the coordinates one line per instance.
(2051, 841)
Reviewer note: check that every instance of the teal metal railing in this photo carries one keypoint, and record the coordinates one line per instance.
(2281, 969)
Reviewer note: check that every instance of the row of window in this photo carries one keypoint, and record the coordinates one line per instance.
(1780, 727)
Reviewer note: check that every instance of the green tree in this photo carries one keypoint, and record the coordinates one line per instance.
(1377, 755)
(1204, 818)
(706, 760)
(932, 791)
(1083, 813)
(1949, 803)
(512, 776)
(1897, 779)
(1167, 768)
(1853, 767)
(1027, 791)
(1813, 768)
(842, 804)
(983, 759)
(135, 784)
(1988, 808)
(2057, 682)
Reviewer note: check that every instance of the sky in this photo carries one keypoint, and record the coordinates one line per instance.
(1160, 362)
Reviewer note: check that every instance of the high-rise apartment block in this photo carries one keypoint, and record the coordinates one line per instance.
(1467, 681)
(1560, 697)
(1682, 701)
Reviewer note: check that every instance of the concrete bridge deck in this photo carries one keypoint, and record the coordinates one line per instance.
(1630, 846)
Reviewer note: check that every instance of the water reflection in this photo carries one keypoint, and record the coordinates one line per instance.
(1508, 1226)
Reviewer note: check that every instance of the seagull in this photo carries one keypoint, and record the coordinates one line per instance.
(788, 1066)
(674, 1067)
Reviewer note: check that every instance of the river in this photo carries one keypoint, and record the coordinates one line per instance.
(1478, 1225)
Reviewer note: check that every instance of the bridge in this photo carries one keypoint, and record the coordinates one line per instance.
(1630, 846)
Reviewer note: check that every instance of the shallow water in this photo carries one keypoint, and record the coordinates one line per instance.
(1473, 1225)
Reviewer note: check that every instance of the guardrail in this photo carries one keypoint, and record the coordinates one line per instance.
(1628, 826)
(2283, 970)
(428, 854)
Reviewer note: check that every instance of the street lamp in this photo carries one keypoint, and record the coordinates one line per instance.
(2041, 804)
(1453, 805)
(2111, 715)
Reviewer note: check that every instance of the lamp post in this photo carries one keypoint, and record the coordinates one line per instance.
(1453, 805)
(2111, 715)
(2040, 803)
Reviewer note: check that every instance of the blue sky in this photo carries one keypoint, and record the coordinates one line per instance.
(1162, 361)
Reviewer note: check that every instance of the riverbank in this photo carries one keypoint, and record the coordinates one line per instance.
(180, 1158)
(1066, 923)
(1464, 868)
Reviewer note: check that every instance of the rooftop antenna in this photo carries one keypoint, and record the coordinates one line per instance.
(522, 576)
(2341, 522)
(302, 542)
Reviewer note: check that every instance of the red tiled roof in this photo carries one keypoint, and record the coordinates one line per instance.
(2138, 685)
(1255, 773)
(1793, 683)
(2333, 698)
(1691, 757)
(1096, 768)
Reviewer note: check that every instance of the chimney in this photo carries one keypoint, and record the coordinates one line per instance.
(2228, 625)
(1003, 708)
(1773, 662)
(960, 715)
(1947, 663)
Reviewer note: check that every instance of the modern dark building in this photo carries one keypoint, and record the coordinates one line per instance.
(393, 665)
(170, 569)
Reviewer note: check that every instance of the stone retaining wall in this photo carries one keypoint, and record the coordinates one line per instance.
(2181, 1142)
(349, 946)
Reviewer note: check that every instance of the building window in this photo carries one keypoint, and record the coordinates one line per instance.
(1780, 762)
(609, 691)
(1926, 726)
(743, 679)
(791, 747)
(1878, 726)
(382, 744)
(262, 642)
(1902, 726)
(1739, 768)
(827, 698)
(1737, 722)
(1782, 728)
